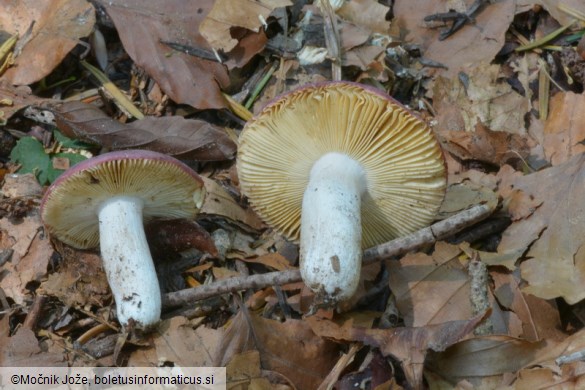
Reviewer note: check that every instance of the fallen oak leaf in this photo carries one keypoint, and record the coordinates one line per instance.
(182, 138)
(407, 345)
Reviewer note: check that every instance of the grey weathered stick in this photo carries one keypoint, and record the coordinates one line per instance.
(397, 247)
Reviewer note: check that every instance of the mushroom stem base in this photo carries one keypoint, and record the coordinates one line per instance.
(127, 261)
(331, 232)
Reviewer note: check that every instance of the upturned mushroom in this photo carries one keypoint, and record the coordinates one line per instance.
(341, 167)
(104, 201)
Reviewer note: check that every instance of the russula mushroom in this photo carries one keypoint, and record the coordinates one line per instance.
(342, 167)
(104, 201)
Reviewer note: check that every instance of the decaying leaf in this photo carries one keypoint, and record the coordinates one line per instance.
(227, 14)
(475, 43)
(144, 24)
(29, 261)
(219, 202)
(56, 25)
(491, 147)
(181, 342)
(539, 318)
(483, 356)
(13, 99)
(408, 345)
(479, 96)
(368, 14)
(553, 231)
(564, 131)
(188, 139)
(80, 281)
(289, 348)
(23, 349)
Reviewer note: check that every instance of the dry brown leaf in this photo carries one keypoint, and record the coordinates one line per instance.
(57, 26)
(483, 357)
(244, 371)
(555, 265)
(23, 349)
(435, 289)
(32, 252)
(13, 99)
(219, 202)
(564, 130)
(552, 6)
(80, 280)
(408, 345)
(368, 14)
(572, 374)
(477, 42)
(272, 260)
(178, 341)
(540, 318)
(289, 348)
(226, 14)
(143, 24)
(491, 147)
(187, 139)
(479, 97)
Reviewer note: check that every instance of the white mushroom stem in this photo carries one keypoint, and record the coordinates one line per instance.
(128, 262)
(331, 231)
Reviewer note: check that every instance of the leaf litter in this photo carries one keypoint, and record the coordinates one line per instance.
(187, 67)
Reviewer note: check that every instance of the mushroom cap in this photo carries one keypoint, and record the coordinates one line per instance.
(404, 163)
(167, 187)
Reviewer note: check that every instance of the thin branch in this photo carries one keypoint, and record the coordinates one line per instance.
(397, 247)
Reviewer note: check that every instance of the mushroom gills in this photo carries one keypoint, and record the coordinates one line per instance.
(128, 262)
(331, 231)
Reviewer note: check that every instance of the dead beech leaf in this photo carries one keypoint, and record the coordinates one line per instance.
(554, 232)
(475, 43)
(227, 14)
(80, 281)
(368, 14)
(540, 318)
(57, 27)
(552, 6)
(23, 349)
(431, 289)
(144, 24)
(564, 130)
(479, 96)
(484, 356)
(187, 139)
(407, 345)
(272, 260)
(289, 348)
(178, 341)
(492, 147)
(32, 252)
(219, 202)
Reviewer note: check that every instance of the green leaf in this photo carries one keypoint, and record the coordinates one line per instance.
(70, 143)
(31, 155)
(74, 158)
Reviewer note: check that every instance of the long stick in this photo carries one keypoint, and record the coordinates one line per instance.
(397, 247)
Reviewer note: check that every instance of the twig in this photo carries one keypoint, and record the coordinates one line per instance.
(332, 38)
(480, 302)
(397, 247)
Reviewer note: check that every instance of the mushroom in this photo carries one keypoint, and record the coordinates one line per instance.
(104, 201)
(342, 167)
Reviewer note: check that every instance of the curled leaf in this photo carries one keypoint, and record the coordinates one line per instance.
(188, 139)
